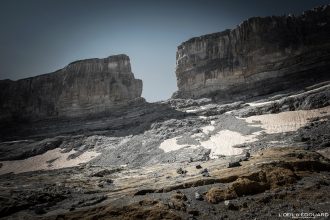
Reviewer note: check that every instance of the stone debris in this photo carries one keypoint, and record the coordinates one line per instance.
(198, 196)
(181, 171)
(205, 172)
(233, 164)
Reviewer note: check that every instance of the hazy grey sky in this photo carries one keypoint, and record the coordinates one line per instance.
(41, 36)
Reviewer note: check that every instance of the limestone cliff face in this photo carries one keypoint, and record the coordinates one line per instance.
(259, 56)
(82, 88)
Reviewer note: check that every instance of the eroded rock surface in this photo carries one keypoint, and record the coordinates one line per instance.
(259, 56)
(82, 88)
(126, 166)
(272, 179)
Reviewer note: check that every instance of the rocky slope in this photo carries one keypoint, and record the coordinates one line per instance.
(260, 56)
(86, 87)
(279, 163)
(177, 159)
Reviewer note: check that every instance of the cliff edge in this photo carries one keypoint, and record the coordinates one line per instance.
(82, 88)
(260, 56)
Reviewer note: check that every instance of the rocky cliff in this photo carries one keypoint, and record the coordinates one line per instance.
(260, 56)
(82, 88)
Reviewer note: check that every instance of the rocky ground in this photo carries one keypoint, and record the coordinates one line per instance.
(179, 159)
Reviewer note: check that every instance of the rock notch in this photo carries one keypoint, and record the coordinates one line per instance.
(82, 88)
(260, 56)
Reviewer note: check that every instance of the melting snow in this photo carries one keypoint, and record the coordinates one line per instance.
(50, 160)
(222, 142)
(286, 121)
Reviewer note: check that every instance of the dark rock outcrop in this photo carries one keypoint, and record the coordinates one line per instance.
(85, 87)
(260, 56)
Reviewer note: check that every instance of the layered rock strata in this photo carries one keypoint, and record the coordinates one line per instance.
(260, 56)
(82, 88)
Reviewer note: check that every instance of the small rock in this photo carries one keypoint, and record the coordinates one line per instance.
(233, 207)
(198, 196)
(171, 205)
(247, 155)
(205, 173)
(198, 166)
(244, 158)
(245, 205)
(193, 212)
(181, 171)
(105, 182)
(230, 205)
(233, 164)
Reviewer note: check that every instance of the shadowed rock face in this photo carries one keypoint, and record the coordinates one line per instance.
(85, 87)
(260, 56)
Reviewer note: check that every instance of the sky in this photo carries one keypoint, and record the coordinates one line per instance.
(41, 36)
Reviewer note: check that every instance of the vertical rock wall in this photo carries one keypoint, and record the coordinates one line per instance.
(82, 88)
(260, 56)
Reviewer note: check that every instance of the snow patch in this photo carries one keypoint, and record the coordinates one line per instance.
(171, 144)
(222, 143)
(286, 121)
(50, 160)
